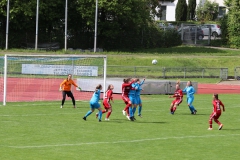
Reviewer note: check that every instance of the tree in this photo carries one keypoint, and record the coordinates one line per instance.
(191, 9)
(233, 23)
(207, 11)
(181, 11)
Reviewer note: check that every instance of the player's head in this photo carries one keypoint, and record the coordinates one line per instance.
(110, 87)
(189, 83)
(215, 96)
(137, 80)
(99, 86)
(178, 84)
(69, 76)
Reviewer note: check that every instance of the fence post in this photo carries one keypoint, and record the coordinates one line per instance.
(163, 72)
(202, 72)
(184, 72)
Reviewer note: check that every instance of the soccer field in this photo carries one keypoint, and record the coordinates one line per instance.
(41, 130)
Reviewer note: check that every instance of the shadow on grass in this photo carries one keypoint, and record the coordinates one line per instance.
(183, 49)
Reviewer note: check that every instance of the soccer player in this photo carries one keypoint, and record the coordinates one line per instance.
(126, 86)
(178, 95)
(190, 96)
(65, 87)
(216, 112)
(132, 97)
(94, 103)
(138, 98)
(106, 102)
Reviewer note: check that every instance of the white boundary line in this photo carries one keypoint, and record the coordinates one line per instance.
(129, 141)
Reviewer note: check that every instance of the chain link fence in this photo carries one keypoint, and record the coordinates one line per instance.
(166, 72)
(195, 34)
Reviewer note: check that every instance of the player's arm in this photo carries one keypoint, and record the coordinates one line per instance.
(192, 91)
(184, 90)
(61, 85)
(223, 107)
(76, 85)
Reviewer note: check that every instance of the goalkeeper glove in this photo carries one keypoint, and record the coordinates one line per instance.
(60, 89)
(80, 88)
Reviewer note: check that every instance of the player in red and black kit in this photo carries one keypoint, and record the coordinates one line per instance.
(178, 95)
(126, 86)
(106, 102)
(216, 112)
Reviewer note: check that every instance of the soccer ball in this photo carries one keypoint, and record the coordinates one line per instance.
(154, 61)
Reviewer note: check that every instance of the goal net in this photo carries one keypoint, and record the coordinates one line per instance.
(38, 77)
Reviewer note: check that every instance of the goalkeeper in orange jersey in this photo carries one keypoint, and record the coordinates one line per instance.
(178, 95)
(65, 87)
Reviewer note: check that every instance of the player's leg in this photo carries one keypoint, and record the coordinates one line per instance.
(99, 112)
(220, 125)
(73, 99)
(191, 107)
(63, 98)
(89, 112)
(109, 113)
(210, 121)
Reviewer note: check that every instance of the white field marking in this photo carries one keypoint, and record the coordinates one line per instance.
(129, 141)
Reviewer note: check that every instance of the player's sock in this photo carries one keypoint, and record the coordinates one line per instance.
(134, 110)
(210, 123)
(139, 110)
(88, 113)
(191, 109)
(100, 115)
(130, 112)
(108, 114)
(174, 109)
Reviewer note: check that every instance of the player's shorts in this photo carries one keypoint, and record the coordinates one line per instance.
(190, 100)
(106, 104)
(177, 101)
(94, 105)
(132, 99)
(215, 115)
(138, 100)
(68, 93)
(125, 99)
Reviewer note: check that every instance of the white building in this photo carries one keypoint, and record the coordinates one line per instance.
(168, 9)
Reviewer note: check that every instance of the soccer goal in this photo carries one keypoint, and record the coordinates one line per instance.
(38, 77)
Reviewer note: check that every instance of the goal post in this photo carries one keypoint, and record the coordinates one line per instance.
(38, 77)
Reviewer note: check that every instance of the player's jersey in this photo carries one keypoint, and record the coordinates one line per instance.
(126, 88)
(178, 94)
(108, 95)
(217, 105)
(66, 84)
(133, 89)
(95, 97)
(190, 91)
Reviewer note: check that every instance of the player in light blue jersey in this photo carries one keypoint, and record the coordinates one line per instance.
(138, 98)
(190, 96)
(94, 103)
(132, 97)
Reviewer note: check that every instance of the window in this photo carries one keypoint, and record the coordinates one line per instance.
(221, 11)
(164, 11)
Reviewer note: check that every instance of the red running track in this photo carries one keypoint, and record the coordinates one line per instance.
(44, 89)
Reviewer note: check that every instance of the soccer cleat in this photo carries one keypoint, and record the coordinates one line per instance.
(96, 115)
(74, 107)
(124, 112)
(209, 129)
(140, 115)
(99, 120)
(107, 119)
(128, 118)
(195, 112)
(131, 118)
(172, 113)
(84, 118)
(134, 118)
(220, 127)
(61, 106)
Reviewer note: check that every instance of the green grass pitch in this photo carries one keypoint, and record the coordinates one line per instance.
(41, 130)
